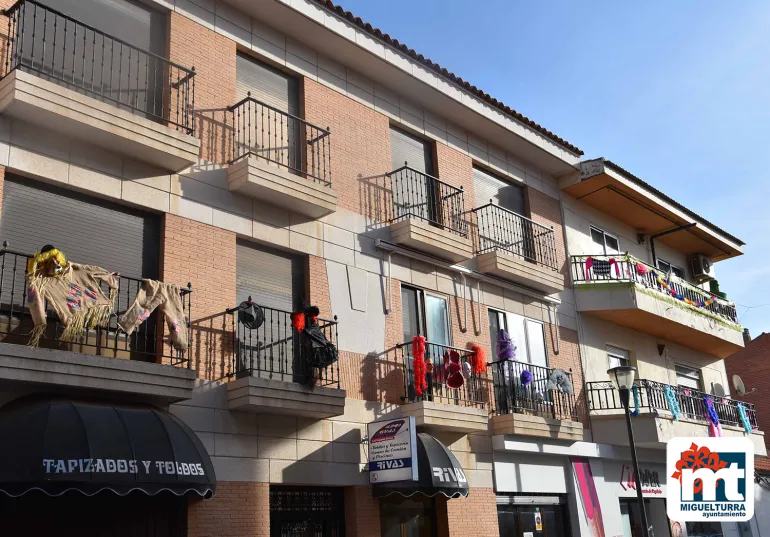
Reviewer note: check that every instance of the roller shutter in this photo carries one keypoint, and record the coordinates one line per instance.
(407, 148)
(502, 193)
(266, 84)
(88, 230)
(270, 277)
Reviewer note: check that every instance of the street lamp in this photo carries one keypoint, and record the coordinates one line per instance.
(623, 379)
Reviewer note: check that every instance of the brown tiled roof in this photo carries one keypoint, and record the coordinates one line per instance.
(467, 86)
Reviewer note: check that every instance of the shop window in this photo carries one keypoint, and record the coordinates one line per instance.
(317, 511)
(617, 357)
(408, 517)
(535, 516)
(704, 528)
(607, 243)
(667, 267)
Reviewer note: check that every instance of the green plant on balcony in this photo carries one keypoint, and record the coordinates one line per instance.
(714, 288)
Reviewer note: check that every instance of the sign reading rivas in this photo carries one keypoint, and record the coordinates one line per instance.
(392, 450)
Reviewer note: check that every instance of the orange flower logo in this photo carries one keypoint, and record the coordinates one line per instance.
(696, 458)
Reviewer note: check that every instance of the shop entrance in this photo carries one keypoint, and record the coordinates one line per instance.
(306, 512)
(35, 514)
(408, 517)
(547, 518)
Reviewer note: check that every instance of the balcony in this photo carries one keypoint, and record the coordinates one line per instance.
(271, 372)
(281, 159)
(428, 215)
(142, 366)
(628, 292)
(534, 409)
(514, 247)
(655, 425)
(69, 77)
(457, 410)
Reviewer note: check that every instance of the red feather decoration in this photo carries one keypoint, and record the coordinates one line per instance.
(298, 321)
(478, 359)
(419, 368)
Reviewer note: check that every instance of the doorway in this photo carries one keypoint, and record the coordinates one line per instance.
(408, 517)
(545, 520)
(306, 512)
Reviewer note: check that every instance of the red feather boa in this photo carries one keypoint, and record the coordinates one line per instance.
(419, 369)
(298, 321)
(478, 359)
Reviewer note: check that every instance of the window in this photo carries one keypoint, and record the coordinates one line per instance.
(667, 267)
(405, 147)
(704, 528)
(503, 193)
(617, 357)
(527, 334)
(688, 377)
(608, 244)
(424, 314)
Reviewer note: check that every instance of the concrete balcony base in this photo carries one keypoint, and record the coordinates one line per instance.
(43, 102)
(72, 372)
(420, 235)
(516, 269)
(265, 396)
(446, 418)
(530, 425)
(260, 179)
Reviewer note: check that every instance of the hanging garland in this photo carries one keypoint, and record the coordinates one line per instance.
(419, 370)
(673, 404)
(744, 418)
(697, 303)
(478, 360)
(635, 391)
(715, 429)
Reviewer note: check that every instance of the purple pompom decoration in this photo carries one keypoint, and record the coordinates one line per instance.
(506, 350)
(526, 377)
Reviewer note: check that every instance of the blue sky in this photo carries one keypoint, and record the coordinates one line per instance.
(675, 92)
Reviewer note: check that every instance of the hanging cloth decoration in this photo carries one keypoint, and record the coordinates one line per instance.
(526, 377)
(477, 359)
(601, 267)
(744, 418)
(168, 298)
(666, 286)
(673, 404)
(559, 380)
(715, 429)
(73, 291)
(419, 368)
(506, 350)
(635, 391)
(454, 375)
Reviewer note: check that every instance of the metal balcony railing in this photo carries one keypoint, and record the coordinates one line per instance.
(504, 230)
(149, 343)
(626, 268)
(59, 48)
(263, 131)
(469, 394)
(275, 350)
(652, 396)
(418, 195)
(513, 397)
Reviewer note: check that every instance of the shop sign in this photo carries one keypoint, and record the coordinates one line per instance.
(538, 522)
(121, 466)
(649, 480)
(392, 450)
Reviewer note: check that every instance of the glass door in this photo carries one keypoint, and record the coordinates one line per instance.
(532, 520)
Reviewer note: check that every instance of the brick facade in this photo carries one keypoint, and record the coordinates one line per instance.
(239, 509)
(475, 515)
(362, 512)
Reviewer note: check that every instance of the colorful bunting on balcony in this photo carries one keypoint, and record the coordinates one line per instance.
(673, 404)
(419, 369)
(635, 391)
(715, 429)
(477, 359)
(744, 418)
(667, 287)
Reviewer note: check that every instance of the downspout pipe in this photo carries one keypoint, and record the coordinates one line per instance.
(663, 234)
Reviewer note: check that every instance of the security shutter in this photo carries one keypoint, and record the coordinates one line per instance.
(87, 230)
(266, 84)
(502, 193)
(407, 148)
(270, 277)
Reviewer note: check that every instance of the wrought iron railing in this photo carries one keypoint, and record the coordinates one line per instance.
(263, 131)
(275, 350)
(534, 394)
(626, 268)
(57, 47)
(419, 195)
(504, 230)
(652, 396)
(471, 393)
(149, 343)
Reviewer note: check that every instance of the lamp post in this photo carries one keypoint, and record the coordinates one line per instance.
(623, 379)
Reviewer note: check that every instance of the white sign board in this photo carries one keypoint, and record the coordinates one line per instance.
(392, 450)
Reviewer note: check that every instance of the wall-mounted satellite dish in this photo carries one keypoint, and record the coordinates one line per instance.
(740, 387)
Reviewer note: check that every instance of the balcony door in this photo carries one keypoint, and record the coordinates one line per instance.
(414, 194)
(268, 128)
(500, 229)
(119, 62)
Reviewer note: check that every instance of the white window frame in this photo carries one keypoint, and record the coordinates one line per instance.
(688, 372)
(504, 314)
(621, 355)
(672, 268)
(605, 234)
(422, 313)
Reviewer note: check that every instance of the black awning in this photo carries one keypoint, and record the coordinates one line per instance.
(438, 472)
(55, 445)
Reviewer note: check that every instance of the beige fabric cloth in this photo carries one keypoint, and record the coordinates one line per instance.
(75, 296)
(166, 296)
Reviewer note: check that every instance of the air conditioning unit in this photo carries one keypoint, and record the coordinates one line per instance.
(702, 268)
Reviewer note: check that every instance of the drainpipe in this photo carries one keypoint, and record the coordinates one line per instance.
(662, 234)
(390, 285)
(465, 301)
